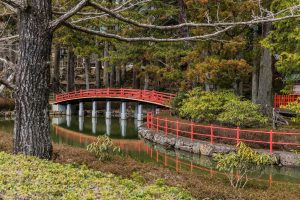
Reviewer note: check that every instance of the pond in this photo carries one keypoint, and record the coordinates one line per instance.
(79, 132)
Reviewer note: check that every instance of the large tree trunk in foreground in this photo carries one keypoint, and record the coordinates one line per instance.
(32, 129)
(56, 74)
(265, 87)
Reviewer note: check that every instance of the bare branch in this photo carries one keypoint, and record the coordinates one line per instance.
(7, 84)
(14, 37)
(13, 5)
(10, 64)
(256, 20)
(54, 24)
(145, 39)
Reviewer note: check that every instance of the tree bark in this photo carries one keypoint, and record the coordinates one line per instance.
(146, 84)
(265, 73)
(71, 71)
(135, 79)
(105, 70)
(112, 76)
(182, 18)
(98, 70)
(86, 63)
(123, 74)
(56, 72)
(32, 128)
(118, 76)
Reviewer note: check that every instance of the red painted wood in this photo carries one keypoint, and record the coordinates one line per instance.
(237, 133)
(150, 96)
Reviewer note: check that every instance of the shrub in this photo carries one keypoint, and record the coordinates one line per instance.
(238, 165)
(26, 177)
(294, 107)
(204, 106)
(221, 106)
(103, 148)
(242, 113)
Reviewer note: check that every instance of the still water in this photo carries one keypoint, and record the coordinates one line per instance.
(80, 132)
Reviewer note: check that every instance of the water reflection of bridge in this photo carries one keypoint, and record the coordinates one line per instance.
(132, 145)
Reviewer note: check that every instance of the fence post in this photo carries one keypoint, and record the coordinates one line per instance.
(192, 131)
(166, 126)
(177, 128)
(271, 141)
(211, 134)
(157, 123)
(148, 120)
(238, 135)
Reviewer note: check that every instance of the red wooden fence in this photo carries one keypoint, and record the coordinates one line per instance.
(282, 100)
(149, 96)
(219, 134)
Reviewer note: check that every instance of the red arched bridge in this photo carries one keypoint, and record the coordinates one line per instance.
(147, 96)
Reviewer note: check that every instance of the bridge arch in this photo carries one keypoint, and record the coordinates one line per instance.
(144, 96)
(113, 94)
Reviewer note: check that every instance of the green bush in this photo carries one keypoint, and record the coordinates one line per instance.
(294, 107)
(221, 106)
(25, 177)
(204, 106)
(242, 114)
(103, 148)
(238, 165)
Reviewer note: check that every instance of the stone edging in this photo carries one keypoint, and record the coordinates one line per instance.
(207, 149)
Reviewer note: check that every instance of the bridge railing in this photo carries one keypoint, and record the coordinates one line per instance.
(282, 100)
(135, 94)
(217, 134)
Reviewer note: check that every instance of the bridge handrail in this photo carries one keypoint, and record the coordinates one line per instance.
(192, 130)
(136, 94)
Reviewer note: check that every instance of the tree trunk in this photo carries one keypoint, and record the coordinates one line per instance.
(86, 64)
(135, 79)
(146, 84)
(98, 69)
(182, 18)
(71, 71)
(265, 73)
(123, 74)
(56, 72)
(112, 76)
(32, 128)
(105, 70)
(118, 76)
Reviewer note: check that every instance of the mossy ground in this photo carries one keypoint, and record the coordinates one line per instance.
(28, 177)
(201, 186)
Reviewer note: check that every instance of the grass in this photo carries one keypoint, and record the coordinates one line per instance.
(31, 178)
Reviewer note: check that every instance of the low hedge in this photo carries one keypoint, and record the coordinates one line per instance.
(24, 177)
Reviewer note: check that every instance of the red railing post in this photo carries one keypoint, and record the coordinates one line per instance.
(271, 141)
(177, 128)
(148, 119)
(211, 134)
(157, 123)
(238, 135)
(107, 91)
(192, 131)
(166, 126)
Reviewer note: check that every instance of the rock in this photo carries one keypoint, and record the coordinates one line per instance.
(196, 148)
(206, 149)
(289, 159)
